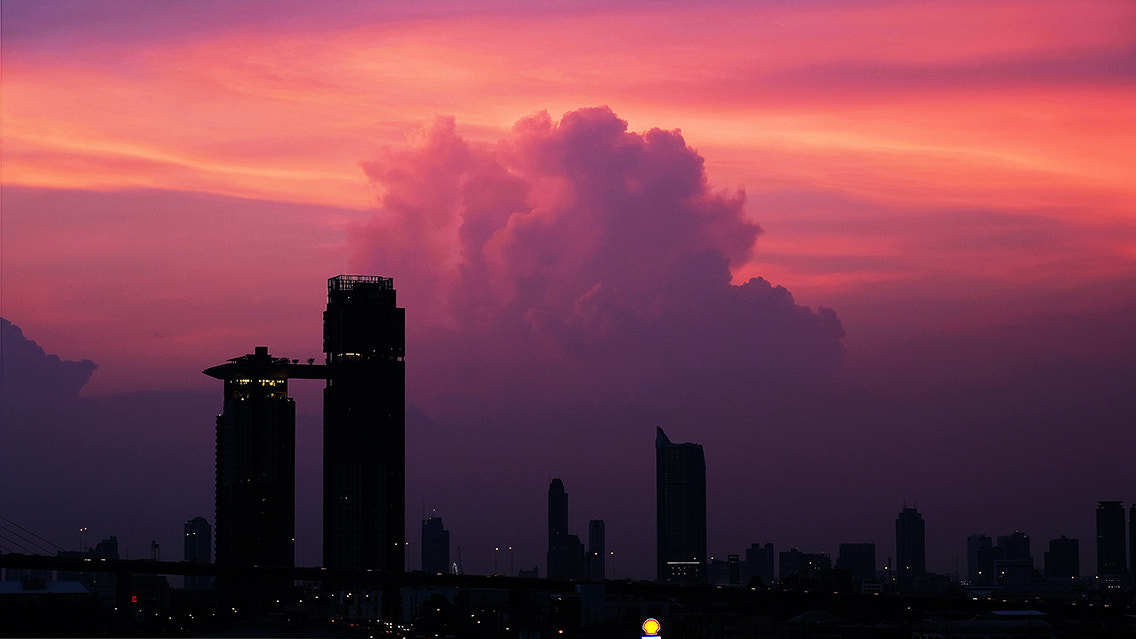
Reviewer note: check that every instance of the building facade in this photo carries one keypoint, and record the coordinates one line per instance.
(680, 490)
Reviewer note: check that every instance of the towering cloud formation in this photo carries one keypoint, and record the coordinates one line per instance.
(576, 256)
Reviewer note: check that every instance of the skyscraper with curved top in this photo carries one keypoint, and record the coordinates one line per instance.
(680, 511)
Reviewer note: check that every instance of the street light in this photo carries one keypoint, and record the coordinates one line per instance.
(495, 549)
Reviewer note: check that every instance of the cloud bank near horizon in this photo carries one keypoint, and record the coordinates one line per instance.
(578, 255)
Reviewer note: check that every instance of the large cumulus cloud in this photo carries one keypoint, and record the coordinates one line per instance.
(578, 256)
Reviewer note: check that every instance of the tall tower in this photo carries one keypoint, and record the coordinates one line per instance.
(1110, 538)
(364, 432)
(680, 511)
(557, 530)
(256, 459)
(910, 544)
(255, 519)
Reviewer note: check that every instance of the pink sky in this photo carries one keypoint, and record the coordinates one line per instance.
(955, 181)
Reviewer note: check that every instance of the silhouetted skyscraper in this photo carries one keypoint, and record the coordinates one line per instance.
(680, 489)
(198, 549)
(1063, 559)
(596, 550)
(364, 425)
(255, 519)
(435, 546)
(910, 544)
(557, 559)
(256, 459)
(980, 560)
(1110, 538)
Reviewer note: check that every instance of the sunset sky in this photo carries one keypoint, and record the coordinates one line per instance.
(868, 253)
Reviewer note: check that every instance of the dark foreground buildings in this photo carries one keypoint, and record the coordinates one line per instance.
(680, 490)
(364, 442)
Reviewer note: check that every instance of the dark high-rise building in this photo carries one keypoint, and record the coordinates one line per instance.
(557, 558)
(980, 560)
(198, 549)
(364, 431)
(1014, 547)
(1110, 538)
(680, 490)
(596, 570)
(256, 460)
(858, 559)
(1063, 559)
(435, 546)
(255, 519)
(910, 544)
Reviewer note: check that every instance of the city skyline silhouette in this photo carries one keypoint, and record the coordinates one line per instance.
(867, 256)
(888, 550)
